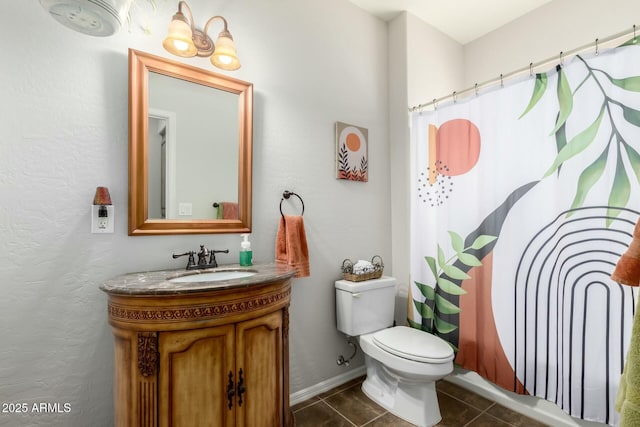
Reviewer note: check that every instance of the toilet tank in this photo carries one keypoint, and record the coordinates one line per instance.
(364, 307)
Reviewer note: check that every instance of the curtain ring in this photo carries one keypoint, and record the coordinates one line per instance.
(476, 87)
(501, 81)
(435, 104)
(634, 33)
(530, 69)
(561, 58)
(454, 97)
(597, 52)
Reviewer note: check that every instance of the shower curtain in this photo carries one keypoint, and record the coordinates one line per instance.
(522, 200)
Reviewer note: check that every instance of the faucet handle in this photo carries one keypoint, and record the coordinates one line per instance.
(212, 256)
(190, 253)
(191, 262)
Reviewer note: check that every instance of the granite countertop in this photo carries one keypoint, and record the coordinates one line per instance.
(158, 282)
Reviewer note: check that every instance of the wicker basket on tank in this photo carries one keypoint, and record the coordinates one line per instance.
(348, 274)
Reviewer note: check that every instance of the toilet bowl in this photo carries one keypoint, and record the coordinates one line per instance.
(402, 363)
(405, 384)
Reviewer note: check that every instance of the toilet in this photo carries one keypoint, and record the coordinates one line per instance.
(402, 363)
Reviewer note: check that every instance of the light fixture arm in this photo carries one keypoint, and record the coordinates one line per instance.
(182, 3)
(224, 31)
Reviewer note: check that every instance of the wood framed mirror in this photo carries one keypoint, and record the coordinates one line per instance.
(190, 149)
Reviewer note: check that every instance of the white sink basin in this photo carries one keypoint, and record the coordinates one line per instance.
(212, 276)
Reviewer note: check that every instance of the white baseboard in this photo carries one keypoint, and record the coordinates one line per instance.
(326, 385)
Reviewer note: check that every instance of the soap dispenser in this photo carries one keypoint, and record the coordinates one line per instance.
(245, 251)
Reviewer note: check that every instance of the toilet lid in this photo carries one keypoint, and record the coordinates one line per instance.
(413, 344)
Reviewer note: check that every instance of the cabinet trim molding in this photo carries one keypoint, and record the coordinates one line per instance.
(201, 312)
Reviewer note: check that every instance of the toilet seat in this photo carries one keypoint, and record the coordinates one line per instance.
(413, 344)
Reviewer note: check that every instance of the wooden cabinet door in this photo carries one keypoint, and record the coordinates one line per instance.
(194, 376)
(259, 356)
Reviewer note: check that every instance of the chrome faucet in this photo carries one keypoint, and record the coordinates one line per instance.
(202, 258)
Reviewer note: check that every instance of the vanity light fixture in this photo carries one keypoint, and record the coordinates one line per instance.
(187, 41)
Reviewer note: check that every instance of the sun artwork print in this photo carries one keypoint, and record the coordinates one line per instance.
(352, 162)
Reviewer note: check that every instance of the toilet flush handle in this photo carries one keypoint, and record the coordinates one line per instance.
(356, 295)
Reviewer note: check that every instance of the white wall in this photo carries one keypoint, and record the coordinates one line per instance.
(422, 61)
(64, 132)
(434, 61)
(399, 159)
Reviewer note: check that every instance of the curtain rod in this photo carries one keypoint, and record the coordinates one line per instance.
(531, 69)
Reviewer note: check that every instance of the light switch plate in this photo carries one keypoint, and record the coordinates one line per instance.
(185, 209)
(102, 225)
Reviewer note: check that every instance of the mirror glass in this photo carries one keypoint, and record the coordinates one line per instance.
(190, 156)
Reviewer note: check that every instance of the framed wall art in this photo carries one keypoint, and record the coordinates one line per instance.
(352, 158)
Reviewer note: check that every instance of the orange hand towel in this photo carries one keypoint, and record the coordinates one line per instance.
(229, 210)
(291, 245)
(627, 271)
(226, 210)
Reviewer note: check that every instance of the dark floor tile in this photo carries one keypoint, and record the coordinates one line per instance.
(318, 415)
(389, 420)
(305, 403)
(454, 412)
(347, 405)
(355, 405)
(486, 420)
(513, 417)
(341, 387)
(463, 394)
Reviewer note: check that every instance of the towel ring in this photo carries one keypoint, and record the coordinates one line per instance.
(288, 194)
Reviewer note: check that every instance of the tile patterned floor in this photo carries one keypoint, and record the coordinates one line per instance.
(347, 406)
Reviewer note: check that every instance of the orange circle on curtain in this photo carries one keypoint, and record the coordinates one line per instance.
(353, 142)
(457, 147)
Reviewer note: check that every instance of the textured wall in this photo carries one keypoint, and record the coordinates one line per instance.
(64, 131)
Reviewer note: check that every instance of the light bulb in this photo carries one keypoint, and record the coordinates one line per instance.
(180, 45)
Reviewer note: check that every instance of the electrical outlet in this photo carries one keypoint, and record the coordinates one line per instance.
(101, 223)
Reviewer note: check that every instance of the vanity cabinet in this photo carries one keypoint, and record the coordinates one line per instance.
(208, 358)
(223, 376)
